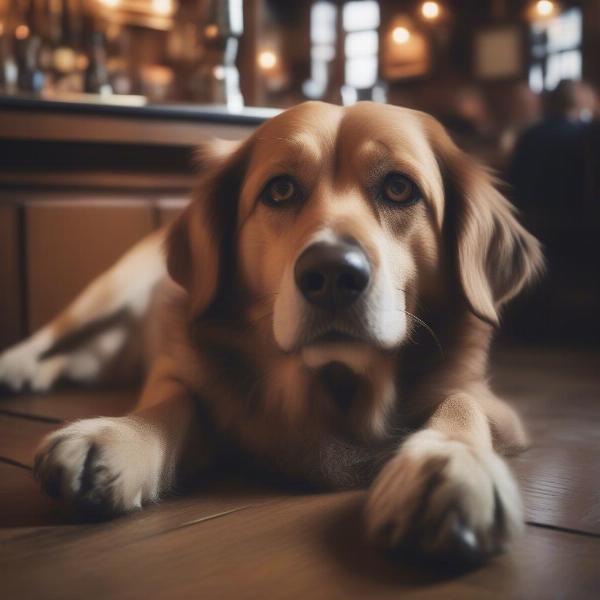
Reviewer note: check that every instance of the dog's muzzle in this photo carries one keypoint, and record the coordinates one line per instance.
(332, 276)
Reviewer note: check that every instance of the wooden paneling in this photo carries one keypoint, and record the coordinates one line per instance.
(170, 208)
(26, 125)
(11, 301)
(98, 180)
(71, 242)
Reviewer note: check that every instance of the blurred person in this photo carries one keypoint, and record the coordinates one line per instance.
(518, 110)
(547, 168)
(575, 101)
(555, 187)
(466, 115)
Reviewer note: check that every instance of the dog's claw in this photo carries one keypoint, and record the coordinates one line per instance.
(460, 518)
(454, 542)
(464, 544)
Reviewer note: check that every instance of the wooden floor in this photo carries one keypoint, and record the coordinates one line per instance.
(234, 540)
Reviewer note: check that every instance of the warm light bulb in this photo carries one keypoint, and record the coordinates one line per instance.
(22, 32)
(211, 31)
(400, 35)
(430, 10)
(267, 59)
(219, 72)
(544, 8)
(82, 62)
(162, 7)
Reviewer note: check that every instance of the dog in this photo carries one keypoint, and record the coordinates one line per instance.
(322, 309)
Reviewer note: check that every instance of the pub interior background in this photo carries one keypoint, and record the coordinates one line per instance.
(102, 103)
(514, 81)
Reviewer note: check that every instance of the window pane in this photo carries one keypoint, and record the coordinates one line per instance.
(570, 64)
(566, 65)
(361, 72)
(536, 79)
(322, 23)
(564, 31)
(322, 53)
(358, 16)
(361, 43)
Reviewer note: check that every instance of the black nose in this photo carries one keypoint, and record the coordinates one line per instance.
(332, 275)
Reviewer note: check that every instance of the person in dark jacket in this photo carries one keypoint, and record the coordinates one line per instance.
(553, 185)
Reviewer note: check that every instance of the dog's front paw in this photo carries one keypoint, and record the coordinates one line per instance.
(442, 499)
(102, 466)
(21, 368)
(18, 366)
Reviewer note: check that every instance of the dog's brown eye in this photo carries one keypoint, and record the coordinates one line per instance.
(399, 189)
(280, 191)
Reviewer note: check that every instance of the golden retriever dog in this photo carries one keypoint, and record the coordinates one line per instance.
(324, 312)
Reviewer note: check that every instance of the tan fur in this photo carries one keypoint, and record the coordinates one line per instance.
(227, 348)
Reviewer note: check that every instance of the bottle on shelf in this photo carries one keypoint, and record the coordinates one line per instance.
(67, 77)
(26, 44)
(8, 63)
(96, 79)
(217, 79)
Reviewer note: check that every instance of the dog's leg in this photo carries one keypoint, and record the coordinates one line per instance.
(108, 466)
(508, 434)
(446, 493)
(126, 287)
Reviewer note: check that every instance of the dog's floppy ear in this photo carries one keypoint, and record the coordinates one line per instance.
(199, 243)
(494, 256)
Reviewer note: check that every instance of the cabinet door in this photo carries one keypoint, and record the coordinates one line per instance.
(70, 242)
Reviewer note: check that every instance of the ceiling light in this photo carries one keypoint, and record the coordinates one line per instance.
(430, 10)
(267, 59)
(544, 8)
(400, 35)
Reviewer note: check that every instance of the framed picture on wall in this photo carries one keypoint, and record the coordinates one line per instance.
(498, 53)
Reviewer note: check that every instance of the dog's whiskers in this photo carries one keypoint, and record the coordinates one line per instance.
(428, 329)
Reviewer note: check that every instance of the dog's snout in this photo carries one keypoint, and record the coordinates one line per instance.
(332, 276)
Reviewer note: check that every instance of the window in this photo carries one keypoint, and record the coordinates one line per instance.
(361, 47)
(323, 36)
(556, 50)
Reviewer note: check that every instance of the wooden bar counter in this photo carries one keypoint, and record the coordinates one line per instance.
(80, 182)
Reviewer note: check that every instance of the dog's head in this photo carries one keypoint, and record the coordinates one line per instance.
(337, 224)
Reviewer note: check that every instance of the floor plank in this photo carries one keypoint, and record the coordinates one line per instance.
(40, 527)
(21, 504)
(307, 546)
(560, 487)
(557, 391)
(71, 404)
(238, 539)
(19, 438)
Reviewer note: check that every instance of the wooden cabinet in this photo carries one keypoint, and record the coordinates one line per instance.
(70, 241)
(79, 186)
